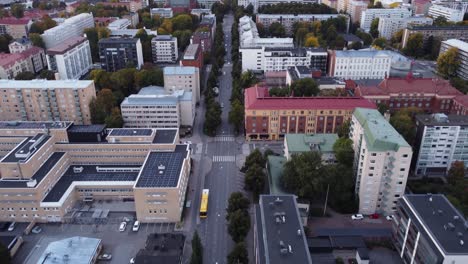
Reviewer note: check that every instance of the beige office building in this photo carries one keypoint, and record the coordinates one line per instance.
(43, 100)
(47, 168)
(183, 78)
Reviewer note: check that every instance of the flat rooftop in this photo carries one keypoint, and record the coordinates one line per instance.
(66, 45)
(76, 250)
(162, 169)
(89, 174)
(130, 132)
(162, 248)
(442, 120)
(191, 51)
(86, 128)
(281, 231)
(45, 84)
(33, 125)
(436, 216)
(165, 136)
(26, 149)
(179, 70)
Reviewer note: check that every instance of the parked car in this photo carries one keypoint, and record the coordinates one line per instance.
(36, 230)
(357, 217)
(389, 217)
(12, 226)
(132, 261)
(105, 257)
(374, 216)
(136, 226)
(122, 227)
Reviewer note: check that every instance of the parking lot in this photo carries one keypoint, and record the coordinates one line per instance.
(122, 245)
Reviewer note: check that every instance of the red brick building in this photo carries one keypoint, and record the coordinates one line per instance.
(460, 105)
(430, 95)
(270, 118)
(202, 38)
(193, 56)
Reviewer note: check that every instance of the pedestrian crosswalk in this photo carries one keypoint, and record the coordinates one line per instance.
(224, 138)
(224, 158)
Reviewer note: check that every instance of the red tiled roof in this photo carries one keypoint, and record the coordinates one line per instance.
(410, 85)
(422, 1)
(258, 98)
(462, 99)
(7, 59)
(14, 21)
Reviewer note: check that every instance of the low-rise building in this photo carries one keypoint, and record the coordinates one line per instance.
(202, 38)
(451, 14)
(389, 26)
(31, 60)
(119, 24)
(19, 45)
(440, 141)
(459, 105)
(271, 118)
(162, 12)
(382, 162)
(119, 53)
(162, 248)
(250, 38)
(324, 82)
(71, 59)
(462, 55)
(153, 107)
(359, 64)
(440, 32)
(427, 228)
(15, 27)
(193, 56)
(300, 143)
(164, 49)
(183, 78)
(368, 15)
(288, 20)
(209, 22)
(75, 249)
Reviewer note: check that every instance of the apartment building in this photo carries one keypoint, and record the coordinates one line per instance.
(427, 94)
(382, 160)
(71, 59)
(421, 7)
(331, 3)
(355, 8)
(451, 14)
(459, 105)
(462, 55)
(15, 27)
(119, 24)
(162, 12)
(153, 107)
(193, 56)
(270, 118)
(249, 37)
(207, 3)
(258, 3)
(202, 38)
(359, 64)
(209, 22)
(389, 26)
(43, 100)
(367, 16)
(440, 32)
(440, 141)
(427, 228)
(72, 27)
(130, 32)
(288, 20)
(183, 78)
(164, 49)
(19, 45)
(31, 60)
(119, 53)
(132, 6)
(47, 173)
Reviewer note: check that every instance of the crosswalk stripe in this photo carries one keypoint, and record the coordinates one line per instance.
(224, 158)
(224, 138)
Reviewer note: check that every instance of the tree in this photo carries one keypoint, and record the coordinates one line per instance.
(4, 254)
(344, 152)
(279, 92)
(396, 38)
(366, 37)
(255, 157)
(183, 38)
(300, 36)
(456, 178)
(248, 79)
(4, 41)
(460, 84)
(197, 250)
(100, 77)
(17, 10)
(123, 80)
(448, 63)
(343, 130)
(312, 42)
(402, 121)
(182, 22)
(440, 21)
(305, 87)
(167, 26)
(115, 119)
(255, 179)
(356, 45)
(237, 201)
(26, 75)
(236, 115)
(102, 108)
(149, 77)
(383, 108)
(380, 43)
(374, 31)
(239, 254)
(277, 30)
(47, 74)
(239, 225)
(414, 46)
(212, 118)
(340, 179)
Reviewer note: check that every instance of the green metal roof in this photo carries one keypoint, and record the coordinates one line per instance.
(275, 165)
(379, 134)
(298, 143)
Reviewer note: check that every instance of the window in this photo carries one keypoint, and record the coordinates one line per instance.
(374, 154)
(405, 155)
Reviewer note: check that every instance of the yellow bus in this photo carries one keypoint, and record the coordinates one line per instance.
(204, 203)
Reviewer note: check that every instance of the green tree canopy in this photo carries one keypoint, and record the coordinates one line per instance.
(239, 225)
(374, 31)
(255, 157)
(197, 250)
(5, 257)
(414, 46)
(17, 10)
(26, 75)
(36, 40)
(279, 92)
(237, 201)
(344, 152)
(255, 179)
(380, 43)
(305, 87)
(402, 121)
(276, 29)
(448, 63)
(236, 115)
(239, 254)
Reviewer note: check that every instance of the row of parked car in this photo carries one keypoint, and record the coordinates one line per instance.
(372, 216)
(135, 228)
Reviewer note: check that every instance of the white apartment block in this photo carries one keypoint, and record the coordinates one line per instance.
(280, 59)
(355, 8)
(208, 3)
(258, 3)
(451, 14)
(164, 49)
(462, 55)
(249, 37)
(342, 5)
(162, 12)
(382, 161)
(31, 60)
(389, 26)
(288, 20)
(19, 45)
(71, 59)
(119, 24)
(72, 27)
(153, 107)
(370, 14)
(440, 140)
(183, 78)
(359, 64)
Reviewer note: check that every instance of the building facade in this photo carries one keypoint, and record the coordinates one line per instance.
(49, 173)
(355, 8)
(119, 53)
(440, 32)
(193, 56)
(382, 160)
(19, 45)
(288, 20)
(153, 107)
(164, 49)
(183, 78)
(357, 64)
(451, 14)
(42, 100)
(15, 27)
(270, 118)
(249, 37)
(427, 228)
(367, 16)
(462, 55)
(389, 26)
(31, 60)
(299, 143)
(71, 59)
(72, 27)
(202, 38)
(162, 12)
(119, 24)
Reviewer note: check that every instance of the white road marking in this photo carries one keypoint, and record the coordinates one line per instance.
(224, 158)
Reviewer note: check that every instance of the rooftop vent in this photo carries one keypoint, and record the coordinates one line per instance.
(161, 167)
(278, 200)
(290, 249)
(31, 183)
(456, 217)
(459, 234)
(462, 242)
(78, 169)
(299, 233)
(134, 131)
(450, 226)
(440, 212)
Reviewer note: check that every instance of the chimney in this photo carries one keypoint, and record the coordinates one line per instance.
(57, 76)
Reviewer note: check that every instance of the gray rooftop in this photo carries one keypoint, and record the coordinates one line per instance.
(442, 120)
(162, 248)
(76, 250)
(164, 38)
(26, 148)
(179, 70)
(45, 84)
(118, 40)
(281, 231)
(86, 128)
(130, 132)
(165, 136)
(33, 125)
(433, 215)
